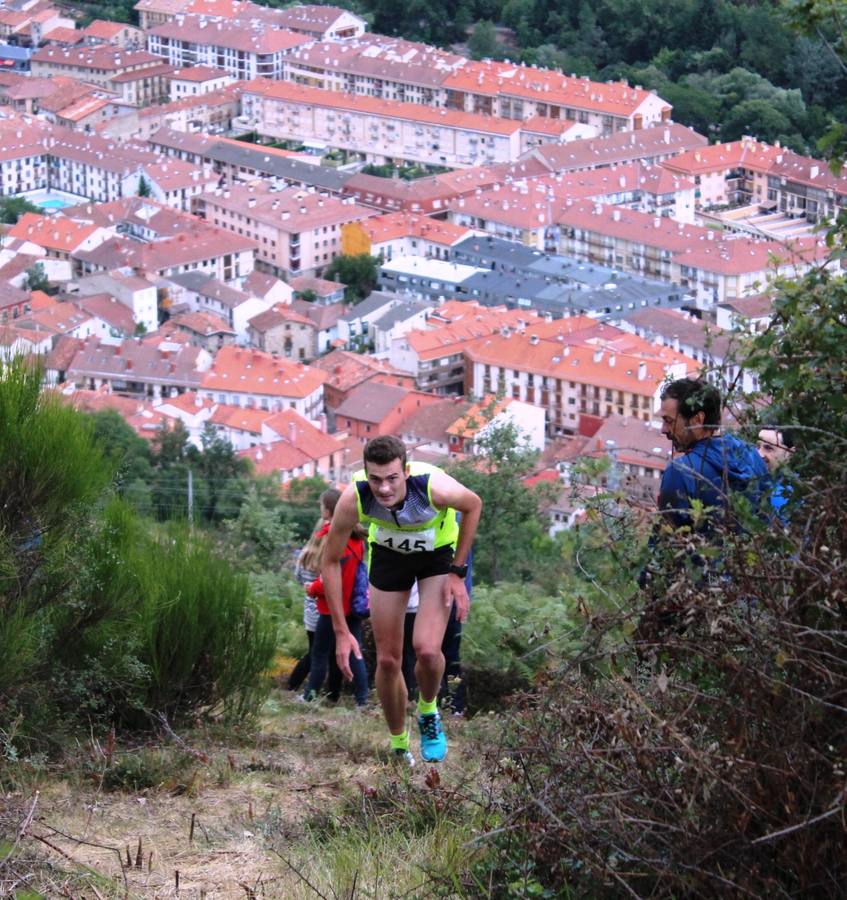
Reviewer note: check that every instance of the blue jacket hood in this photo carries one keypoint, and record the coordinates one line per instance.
(710, 471)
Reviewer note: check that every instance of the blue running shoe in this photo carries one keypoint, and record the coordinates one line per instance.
(433, 739)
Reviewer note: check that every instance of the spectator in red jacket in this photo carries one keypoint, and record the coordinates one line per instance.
(354, 596)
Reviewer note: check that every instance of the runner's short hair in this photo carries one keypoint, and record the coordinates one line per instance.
(383, 449)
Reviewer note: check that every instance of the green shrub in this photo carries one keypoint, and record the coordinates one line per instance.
(51, 474)
(161, 625)
(515, 629)
(104, 615)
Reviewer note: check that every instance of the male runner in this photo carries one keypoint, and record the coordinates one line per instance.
(410, 510)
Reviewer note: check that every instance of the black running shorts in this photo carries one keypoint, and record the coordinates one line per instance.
(390, 571)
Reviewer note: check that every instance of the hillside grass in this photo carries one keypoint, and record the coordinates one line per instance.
(306, 804)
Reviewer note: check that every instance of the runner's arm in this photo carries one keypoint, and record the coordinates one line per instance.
(446, 491)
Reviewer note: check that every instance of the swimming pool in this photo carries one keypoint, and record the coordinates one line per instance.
(51, 201)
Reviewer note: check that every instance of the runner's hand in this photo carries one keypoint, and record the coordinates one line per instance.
(345, 644)
(455, 591)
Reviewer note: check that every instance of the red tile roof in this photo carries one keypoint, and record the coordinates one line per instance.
(99, 57)
(594, 363)
(110, 310)
(246, 37)
(720, 157)
(202, 323)
(250, 371)
(197, 74)
(51, 232)
(394, 109)
(493, 78)
(280, 456)
(239, 418)
(62, 35)
(300, 432)
(100, 28)
(743, 255)
(277, 316)
(345, 369)
(405, 224)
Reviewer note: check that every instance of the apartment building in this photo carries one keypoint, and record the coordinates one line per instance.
(651, 146)
(36, 155)
(715, 349)
(323, 23)
(391, 68)
(243, 49)
(251, 378)
(199, 248)
(375, 66)
(711, 270)
(527, 210)
(772, 177)
(143, 87)
(296, 232)
(550, 285)
(240, 161)
(434, 355)
(380, 130)
(23, 155)
(211, 112)
(93, 65)
(435, 194)
(716, 271)
(598, 371)
(521, 92)
(157, 12)
(804, 187)
(724, 174)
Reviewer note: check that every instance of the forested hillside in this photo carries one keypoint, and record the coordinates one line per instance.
(728, 67)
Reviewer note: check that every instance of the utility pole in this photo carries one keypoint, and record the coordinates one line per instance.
(190, 497)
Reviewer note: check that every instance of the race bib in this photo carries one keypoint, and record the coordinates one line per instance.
(405, 541)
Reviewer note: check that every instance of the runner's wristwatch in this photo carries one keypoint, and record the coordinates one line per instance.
(461, 571)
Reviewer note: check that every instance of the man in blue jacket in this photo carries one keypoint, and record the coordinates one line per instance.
(695, 492)
(708, 466)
